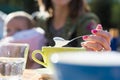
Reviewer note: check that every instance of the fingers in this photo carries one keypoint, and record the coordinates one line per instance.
(98, 40)
(93, 39)
(92, 46)
(99, 32)
(87, 48)
(103, 34)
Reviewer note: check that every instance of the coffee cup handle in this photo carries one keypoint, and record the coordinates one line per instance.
(37, 60)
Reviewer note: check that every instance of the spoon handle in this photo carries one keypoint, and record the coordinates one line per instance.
(75, 38)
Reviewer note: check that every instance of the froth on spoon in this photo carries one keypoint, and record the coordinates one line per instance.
(59, 41)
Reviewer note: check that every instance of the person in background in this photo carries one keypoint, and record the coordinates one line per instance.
(72, 18)
(20, 28)
(21, 21)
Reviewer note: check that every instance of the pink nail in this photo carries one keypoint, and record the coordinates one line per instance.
(99, 26)
(94, 31)
(84, 37)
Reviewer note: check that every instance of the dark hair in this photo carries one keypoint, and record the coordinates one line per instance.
(75, 7)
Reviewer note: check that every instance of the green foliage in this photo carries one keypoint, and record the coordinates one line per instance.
(108, 11)
(102, 8)
(115, 17)
(8, 6)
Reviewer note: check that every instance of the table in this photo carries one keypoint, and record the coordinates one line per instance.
(34, 74)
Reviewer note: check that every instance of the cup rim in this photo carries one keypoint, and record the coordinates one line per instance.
(87, 58)
(62, 47)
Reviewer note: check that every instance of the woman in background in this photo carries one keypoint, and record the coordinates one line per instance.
(72, 18)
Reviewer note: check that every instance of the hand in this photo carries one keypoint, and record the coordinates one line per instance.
(98, 41)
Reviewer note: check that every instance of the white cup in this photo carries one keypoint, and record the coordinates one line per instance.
(86, 65)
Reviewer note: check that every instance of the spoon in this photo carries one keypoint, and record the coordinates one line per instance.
(59, 41)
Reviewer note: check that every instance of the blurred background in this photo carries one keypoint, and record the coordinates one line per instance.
(107, 10)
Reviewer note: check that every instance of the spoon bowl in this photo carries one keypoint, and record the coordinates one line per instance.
(59, 41)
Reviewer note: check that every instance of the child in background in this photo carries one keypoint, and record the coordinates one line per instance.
(20, 28)
(18, 21)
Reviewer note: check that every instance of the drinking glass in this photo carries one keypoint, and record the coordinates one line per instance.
(13, 57)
